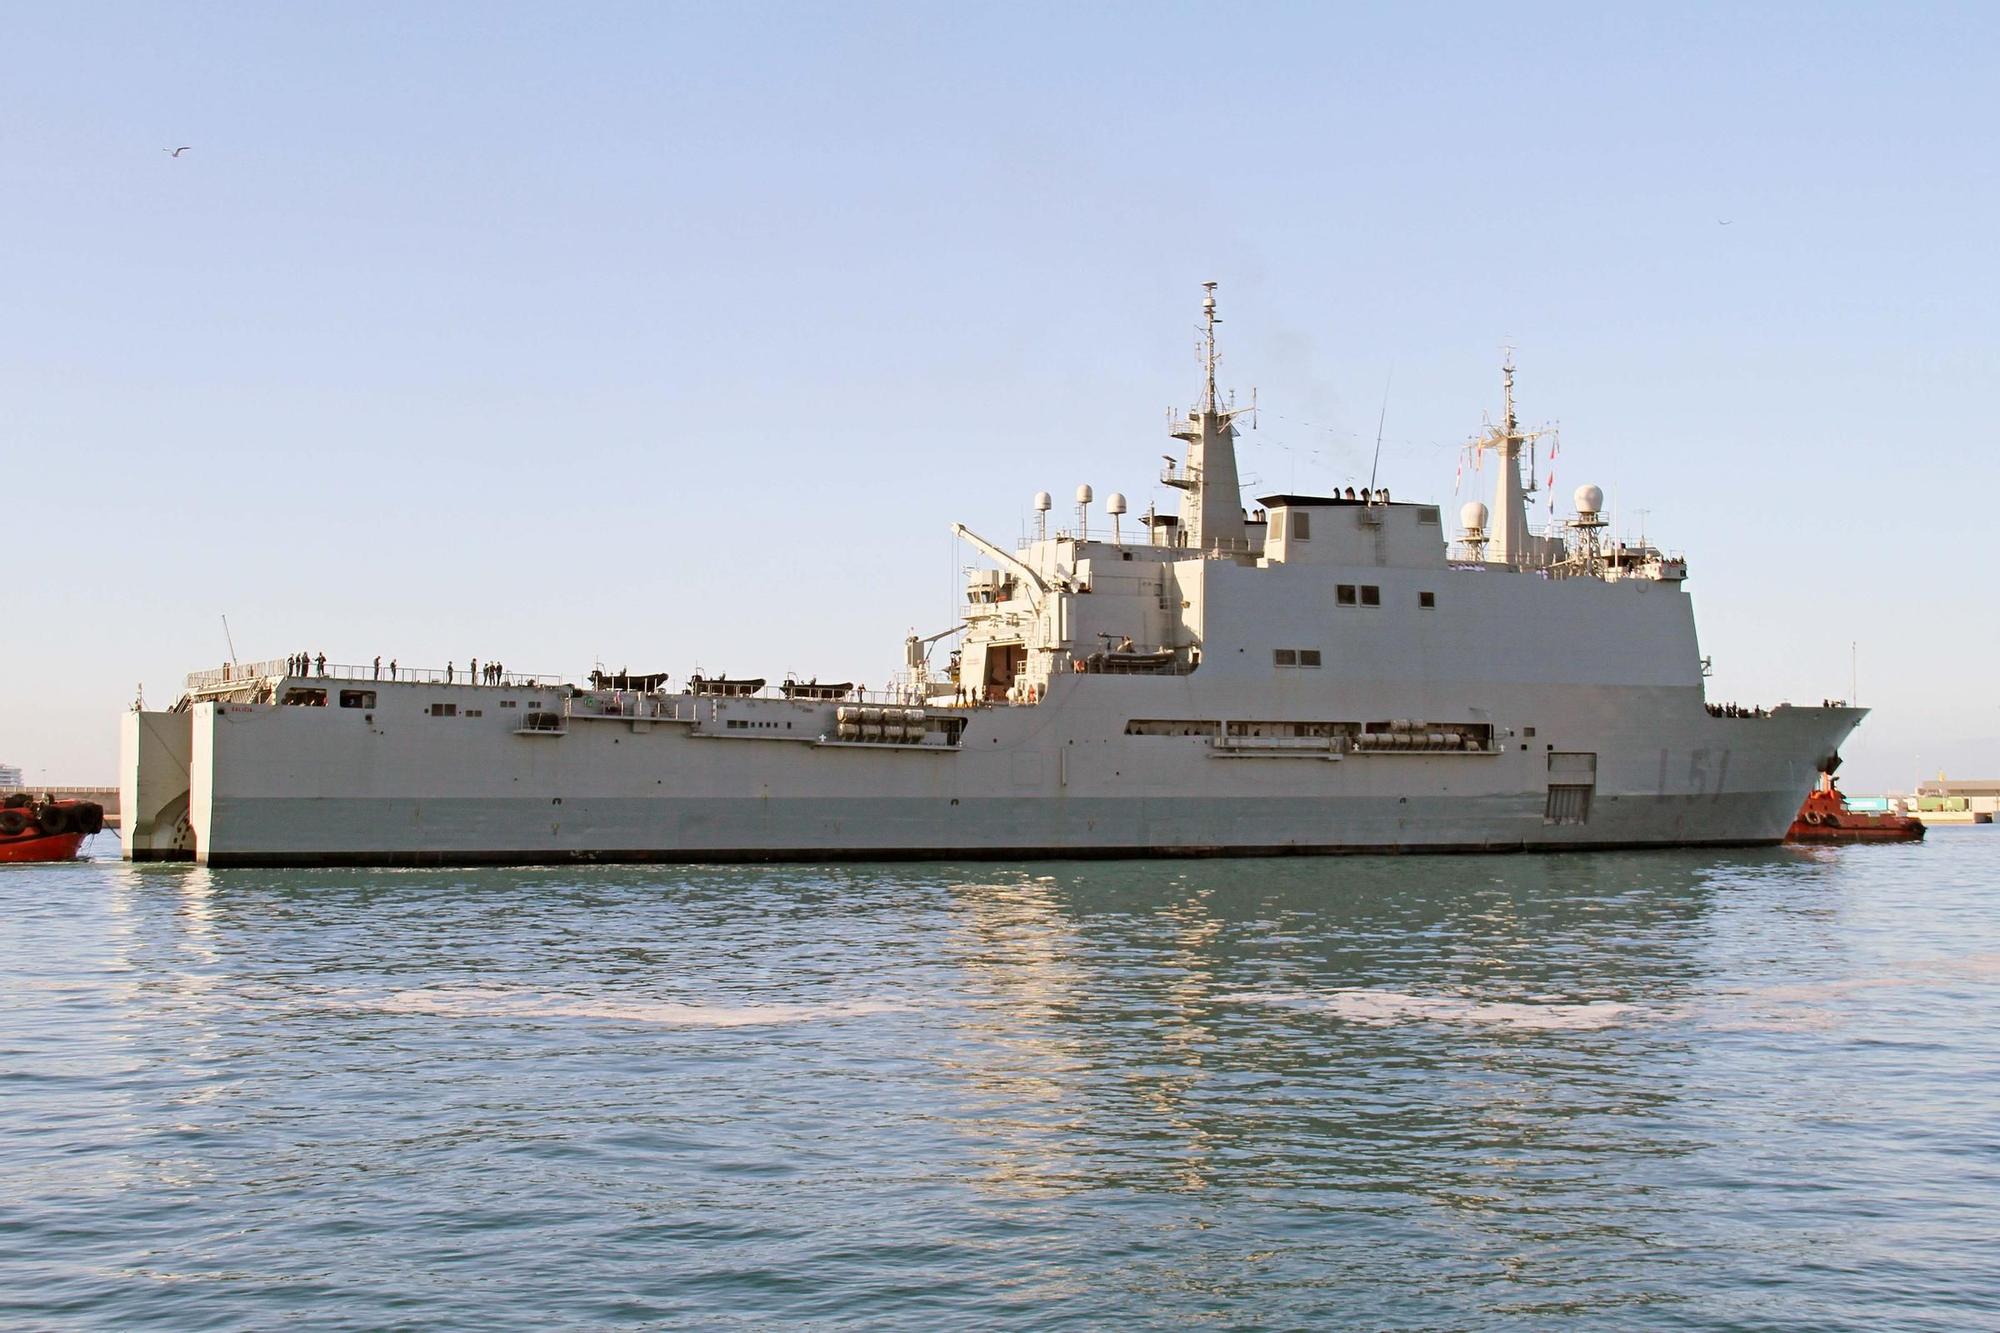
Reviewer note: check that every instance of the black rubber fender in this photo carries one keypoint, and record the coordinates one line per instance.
(54, 819)
(12, 821)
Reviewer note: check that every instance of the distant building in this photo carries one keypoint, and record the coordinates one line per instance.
(10, 776)
(1982, 795)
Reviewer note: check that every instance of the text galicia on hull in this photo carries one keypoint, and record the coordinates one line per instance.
(1321, 674)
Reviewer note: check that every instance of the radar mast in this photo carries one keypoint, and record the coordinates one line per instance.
(1508, 539)
(1211, 496)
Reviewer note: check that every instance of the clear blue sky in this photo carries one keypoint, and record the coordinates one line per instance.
(675, 335)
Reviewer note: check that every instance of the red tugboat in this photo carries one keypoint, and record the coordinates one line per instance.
(1826, 818)
(45, 830)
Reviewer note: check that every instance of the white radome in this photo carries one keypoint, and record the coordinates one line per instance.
(1589, 500)
(1084, 494)
(1044, 502)
(1115, 503)
(1473, 516)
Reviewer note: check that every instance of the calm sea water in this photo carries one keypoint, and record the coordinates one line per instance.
(1714, 1090)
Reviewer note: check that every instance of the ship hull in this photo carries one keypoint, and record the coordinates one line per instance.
(40, 847)
(1060, 779)
(610, 832)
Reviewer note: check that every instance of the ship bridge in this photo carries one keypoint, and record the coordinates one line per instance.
(1084, 601)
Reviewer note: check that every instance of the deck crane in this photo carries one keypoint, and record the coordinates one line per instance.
(917, 655)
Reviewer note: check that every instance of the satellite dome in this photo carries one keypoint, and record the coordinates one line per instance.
(1044, 502)
(1083, 494)
(1589, 500)
(1473, 516)
(1114, 503)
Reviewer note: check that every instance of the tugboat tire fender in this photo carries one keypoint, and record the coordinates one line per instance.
(53, 819)
(12, 821)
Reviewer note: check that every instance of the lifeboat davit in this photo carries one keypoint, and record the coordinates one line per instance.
(45, 830)
(1826, 818)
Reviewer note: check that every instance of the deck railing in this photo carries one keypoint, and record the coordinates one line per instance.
(594, 703)
(242, 672)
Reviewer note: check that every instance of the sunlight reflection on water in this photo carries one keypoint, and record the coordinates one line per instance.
(1674, 1089)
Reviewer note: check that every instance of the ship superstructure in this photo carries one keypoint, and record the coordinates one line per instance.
(1317, 674)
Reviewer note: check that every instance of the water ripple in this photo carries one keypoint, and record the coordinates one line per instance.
(1677, 1090)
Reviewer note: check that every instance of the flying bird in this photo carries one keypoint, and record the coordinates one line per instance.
(1723, 222)
(176, 152)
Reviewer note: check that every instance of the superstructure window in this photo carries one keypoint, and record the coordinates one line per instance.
(1427, 599)
(1371, 595)
(304, 699)
(444, 710)
(1343, 594)
(357, 698)
(1308, 657)
(1285, 657)
(1302, 528)
(1150, 726)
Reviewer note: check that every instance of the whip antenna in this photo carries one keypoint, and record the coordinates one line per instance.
(1380, 422)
